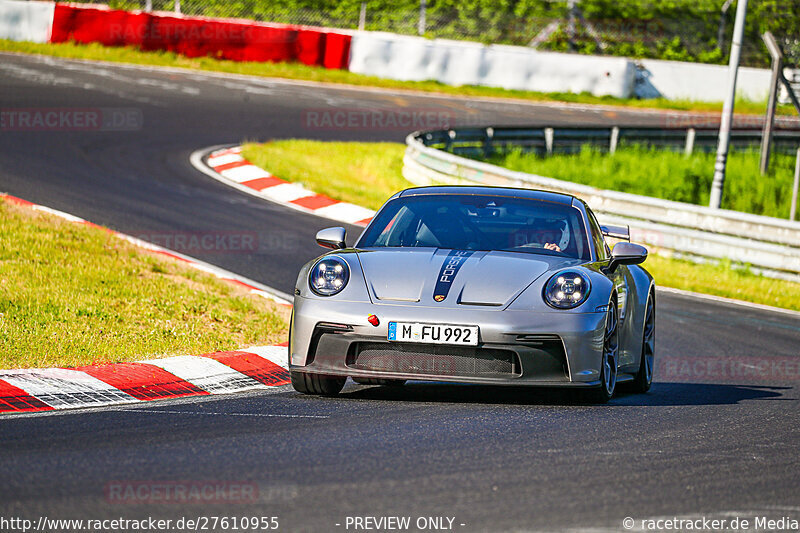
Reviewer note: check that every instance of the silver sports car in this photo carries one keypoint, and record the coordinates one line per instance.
(480, 285)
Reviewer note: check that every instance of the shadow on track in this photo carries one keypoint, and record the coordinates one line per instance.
(661, 394)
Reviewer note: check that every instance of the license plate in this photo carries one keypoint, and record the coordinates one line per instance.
(433, 333)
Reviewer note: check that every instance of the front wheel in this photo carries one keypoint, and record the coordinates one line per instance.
(609, 363)
(317, 383)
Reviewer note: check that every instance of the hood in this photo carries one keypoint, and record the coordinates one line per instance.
(433, 277)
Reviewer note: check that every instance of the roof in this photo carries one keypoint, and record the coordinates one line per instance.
(509, 192)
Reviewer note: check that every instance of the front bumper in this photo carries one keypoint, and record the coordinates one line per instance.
(551, 348)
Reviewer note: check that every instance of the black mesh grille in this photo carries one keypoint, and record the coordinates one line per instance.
(434, 360)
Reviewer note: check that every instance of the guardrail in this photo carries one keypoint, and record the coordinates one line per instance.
(770, 245)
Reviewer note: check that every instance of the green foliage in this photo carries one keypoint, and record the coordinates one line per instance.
(685, 30)
(669, 175)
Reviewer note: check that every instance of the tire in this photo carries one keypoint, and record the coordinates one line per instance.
(644, 377)
(380, 381)
(609, 363)
(318, 384)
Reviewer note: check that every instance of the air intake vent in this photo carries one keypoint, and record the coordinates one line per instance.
(434, 360)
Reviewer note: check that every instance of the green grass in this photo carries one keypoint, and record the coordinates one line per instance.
(295, 71)
(723, 279)
(72, 294)
(364, 174)
(670, 175)
(368, 173)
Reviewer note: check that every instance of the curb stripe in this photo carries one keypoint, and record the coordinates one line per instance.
(143, 382)
(207, 374)
(18, 201)
(227, 165)
(260, 184)
(245, 173)
(31, 390)
(64, 389)
(279, 355)
(346, 212)
(315, 202)
(287, 192)
(218, 162)
(15, 399)
(254, 366)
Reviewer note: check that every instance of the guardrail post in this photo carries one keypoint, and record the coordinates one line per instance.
(451, 134)
(795, 186)
(689, 148)
(487, 142)
(777, 66)
(548, 140)
(612, 147)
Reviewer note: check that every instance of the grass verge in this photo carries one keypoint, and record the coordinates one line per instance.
(368, 173)
(364, 174)
(669, 175)
(72, 294)
(295, 71)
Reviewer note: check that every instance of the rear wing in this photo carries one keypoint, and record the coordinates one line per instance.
(617, 232)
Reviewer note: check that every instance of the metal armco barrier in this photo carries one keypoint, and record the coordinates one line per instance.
(770, 245)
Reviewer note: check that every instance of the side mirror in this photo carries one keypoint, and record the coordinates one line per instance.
(332, 238)
(626, 253)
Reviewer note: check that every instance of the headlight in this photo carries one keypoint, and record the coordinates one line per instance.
(329, 276)
(566, 290)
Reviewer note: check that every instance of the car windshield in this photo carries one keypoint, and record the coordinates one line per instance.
(479, 222)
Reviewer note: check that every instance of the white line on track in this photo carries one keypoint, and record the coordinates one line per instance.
(729, 301)
(217, 413)
(202, 75)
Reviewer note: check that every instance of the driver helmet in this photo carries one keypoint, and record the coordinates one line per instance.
(552, 231)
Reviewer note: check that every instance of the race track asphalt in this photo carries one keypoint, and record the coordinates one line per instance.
(710, 439)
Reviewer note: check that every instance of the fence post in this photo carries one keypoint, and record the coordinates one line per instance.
(795, 186)
(488, 148)
(421, 26)
(451, 135)
(721, 30)
(178, 7)
(548, 140)
(362, 17)
(148, 6)
(689, 148)
(612, 147)
(777, 65)
(718, 183)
